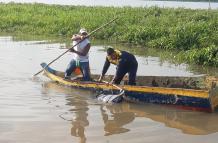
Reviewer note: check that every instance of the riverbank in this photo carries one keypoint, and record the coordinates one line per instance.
(193, 33)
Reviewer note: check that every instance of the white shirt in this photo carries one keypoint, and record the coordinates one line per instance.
(80, 48)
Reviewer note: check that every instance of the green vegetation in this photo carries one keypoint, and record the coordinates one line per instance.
(192, 33)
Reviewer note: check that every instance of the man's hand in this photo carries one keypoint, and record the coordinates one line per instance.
(76, 37)
(100, 78)
(72, 50)
(112, 82)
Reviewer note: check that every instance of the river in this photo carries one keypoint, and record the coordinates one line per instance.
(38, 111)
(121, 3)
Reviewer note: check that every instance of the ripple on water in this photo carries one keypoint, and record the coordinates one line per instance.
(35, 110)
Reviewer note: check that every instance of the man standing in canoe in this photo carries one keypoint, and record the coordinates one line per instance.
(126, 63)
(80, 55)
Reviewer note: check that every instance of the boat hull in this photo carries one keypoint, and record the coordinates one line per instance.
(191, 99)
(182, 102)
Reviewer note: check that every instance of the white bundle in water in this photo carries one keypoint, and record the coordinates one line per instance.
(110, 98)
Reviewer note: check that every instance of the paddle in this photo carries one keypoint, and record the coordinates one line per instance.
(91, 33)
(111, 98)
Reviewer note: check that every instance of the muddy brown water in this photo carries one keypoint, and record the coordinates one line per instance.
(33, 111)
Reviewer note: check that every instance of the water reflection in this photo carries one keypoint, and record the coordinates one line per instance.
(77, 111)
(203, 69)
(116, 117)
(189, 122)
(27, 108)
(80, 121)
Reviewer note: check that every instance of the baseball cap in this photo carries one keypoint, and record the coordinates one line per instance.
(82, 31)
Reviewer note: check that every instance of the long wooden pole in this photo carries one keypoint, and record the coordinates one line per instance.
(121, 90)
(91, 33)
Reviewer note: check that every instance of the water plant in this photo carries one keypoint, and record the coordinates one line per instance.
(194, 33)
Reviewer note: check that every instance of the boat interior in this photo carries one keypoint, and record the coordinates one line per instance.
(192, 82)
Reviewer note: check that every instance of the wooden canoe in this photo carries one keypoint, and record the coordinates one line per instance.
(198, 93)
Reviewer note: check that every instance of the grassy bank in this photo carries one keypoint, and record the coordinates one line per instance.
(193, 33)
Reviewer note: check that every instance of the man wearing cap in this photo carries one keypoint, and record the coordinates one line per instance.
(126, 63)
(80, 55)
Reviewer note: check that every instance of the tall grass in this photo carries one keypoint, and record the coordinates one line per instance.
(194, 33)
